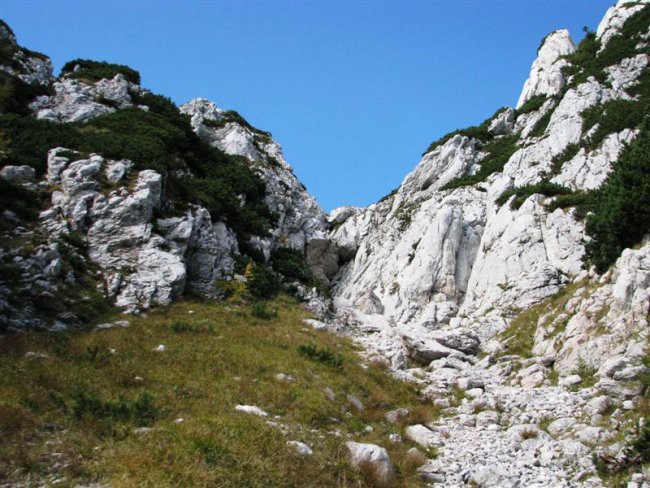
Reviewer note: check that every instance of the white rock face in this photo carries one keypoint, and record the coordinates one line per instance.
(617, 307)
(141, 267)
(424, 263)
(75, 101)
(545, 75)
(547, 249)
(32, 68)
(300, 217)
(587, 171)
(615, 17)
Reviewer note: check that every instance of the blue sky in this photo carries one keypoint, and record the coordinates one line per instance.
(354, 91)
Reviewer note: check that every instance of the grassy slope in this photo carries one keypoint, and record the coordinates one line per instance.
(217, 356)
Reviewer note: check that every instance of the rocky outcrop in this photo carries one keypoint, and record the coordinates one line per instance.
(615, 17)
(143, 260)
(300, 219)
(78, 101)
(546, 73)
(29, 66)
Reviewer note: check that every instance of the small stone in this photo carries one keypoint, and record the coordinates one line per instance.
(160, 348)
(301, 448)
(355, 403)
(561, 425)
(179, 421)
(394, 416)
(571, 380)
(599, 404)
(395, 438)
(329, 393)
(287, 378)
(251, 409)
(35, 355)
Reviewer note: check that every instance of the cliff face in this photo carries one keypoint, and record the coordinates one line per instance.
(451, 249)
(108, 229)
(511, 266)
(484, 247)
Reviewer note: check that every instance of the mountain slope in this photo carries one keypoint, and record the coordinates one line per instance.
(508, 277)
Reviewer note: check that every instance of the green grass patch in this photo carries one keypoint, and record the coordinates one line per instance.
(323, 355)
(519, 336)
(89, 409)
(262, 311)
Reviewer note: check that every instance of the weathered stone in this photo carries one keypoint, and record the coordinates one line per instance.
(373, 457)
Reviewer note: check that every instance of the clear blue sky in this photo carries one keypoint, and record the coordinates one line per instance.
(354, 91)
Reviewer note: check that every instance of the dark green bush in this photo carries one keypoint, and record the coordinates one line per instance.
(522, 193)
(558, 160)
(16, 95)
(499, 151)
(541, 125)
(621, 214)
(533, 104)
(581, 200)
(96, 70)
(586, 61)
(324, 355)
(18, 199)
(291, 264)
(161, 139)
(262, 283)
(262, 311)
(612, 117)
(583, 61)
(142, 411)
(479, 132)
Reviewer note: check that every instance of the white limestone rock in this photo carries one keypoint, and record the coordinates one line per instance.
(301, 448)
(31, 67)
(252, 410)
(76, 101)
(587, 171)
(615, 17)
(546, 73)
(504, 123)
(423, 436)
(300, 217)
(374, 457)
(141, 267)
